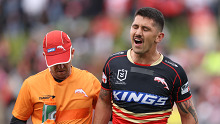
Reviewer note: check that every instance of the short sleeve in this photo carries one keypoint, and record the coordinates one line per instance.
(96, 90)
(106, 77)
(181, 87)
(23, 106)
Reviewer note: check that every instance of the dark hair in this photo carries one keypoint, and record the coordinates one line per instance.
(153, 14)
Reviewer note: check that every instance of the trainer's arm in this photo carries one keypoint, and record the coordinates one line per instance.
(103, 108)
(14, 120)
(187, 112)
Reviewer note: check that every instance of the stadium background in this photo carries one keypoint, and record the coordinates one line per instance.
(99, 28)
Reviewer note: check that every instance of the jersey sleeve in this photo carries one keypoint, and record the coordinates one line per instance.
(181, 87)
(106, 76)
(23, 106)
(96, 90)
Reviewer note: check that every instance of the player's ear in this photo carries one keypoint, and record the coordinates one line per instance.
(159, 38)
(72, 53)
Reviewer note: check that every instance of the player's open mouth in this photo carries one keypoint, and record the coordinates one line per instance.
(138, 40)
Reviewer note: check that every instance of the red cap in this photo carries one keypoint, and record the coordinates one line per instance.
(57, 48)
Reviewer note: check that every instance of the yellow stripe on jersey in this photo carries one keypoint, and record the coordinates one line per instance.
(140, 117)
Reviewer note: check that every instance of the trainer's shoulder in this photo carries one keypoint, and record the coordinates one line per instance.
(81, 72)
(38, 77)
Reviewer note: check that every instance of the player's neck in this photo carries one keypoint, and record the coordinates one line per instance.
(145, 59)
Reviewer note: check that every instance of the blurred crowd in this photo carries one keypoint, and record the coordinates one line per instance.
(98, 28)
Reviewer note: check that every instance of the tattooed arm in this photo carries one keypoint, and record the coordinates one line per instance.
(103, 108)
(187, 112)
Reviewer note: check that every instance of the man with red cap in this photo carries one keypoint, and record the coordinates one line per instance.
(59, 94)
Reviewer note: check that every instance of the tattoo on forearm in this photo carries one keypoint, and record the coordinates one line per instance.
(182, 108)
(103, 94)
(187, 106)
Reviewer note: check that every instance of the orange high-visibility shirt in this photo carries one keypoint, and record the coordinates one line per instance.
(75, 97)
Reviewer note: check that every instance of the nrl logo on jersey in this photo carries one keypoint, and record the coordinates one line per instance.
(122, 74)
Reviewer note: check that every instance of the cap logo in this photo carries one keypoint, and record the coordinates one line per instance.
(50, 50)
(60, 47)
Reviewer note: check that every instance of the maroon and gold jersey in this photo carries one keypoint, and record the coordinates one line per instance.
(143, 93)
